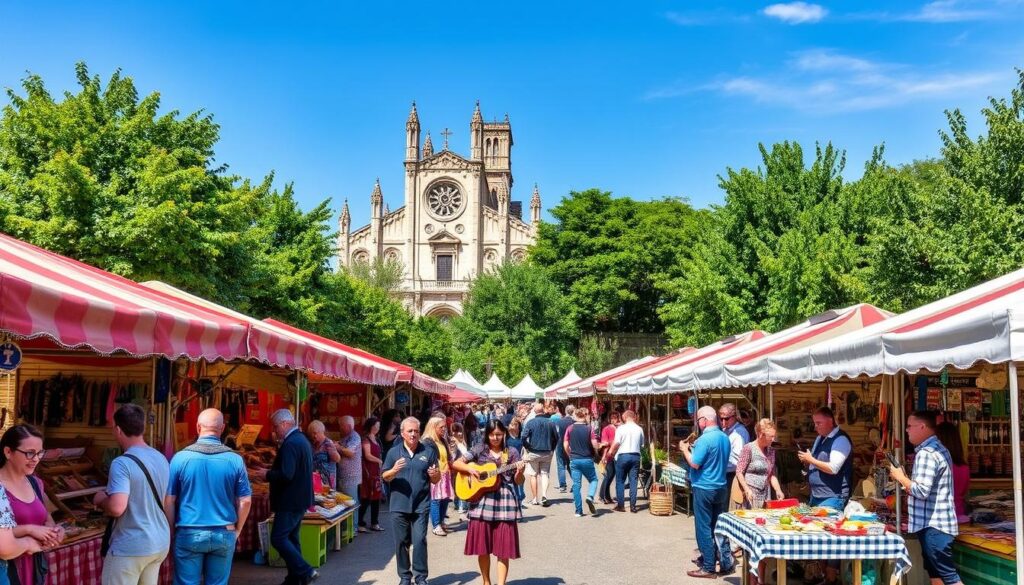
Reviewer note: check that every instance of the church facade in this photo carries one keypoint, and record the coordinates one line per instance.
(458, 220)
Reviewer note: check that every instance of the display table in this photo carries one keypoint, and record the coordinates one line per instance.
(313, 537)
(249, 538)
(759, 543)
(984, 563)
(80, 563)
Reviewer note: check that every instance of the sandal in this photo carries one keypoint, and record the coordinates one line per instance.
(438, 531)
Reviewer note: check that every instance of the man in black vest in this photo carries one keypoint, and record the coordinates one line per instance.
(291, 494)
(830, 469)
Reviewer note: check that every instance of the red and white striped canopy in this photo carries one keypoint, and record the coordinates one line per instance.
(289, 348)
(43, 294)
(584, 387)
(749, 368)
(406, 373)
(638, 380)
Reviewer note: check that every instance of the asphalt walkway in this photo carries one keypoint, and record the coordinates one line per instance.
(611, 548)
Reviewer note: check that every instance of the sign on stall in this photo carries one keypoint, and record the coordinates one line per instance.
(248, 434)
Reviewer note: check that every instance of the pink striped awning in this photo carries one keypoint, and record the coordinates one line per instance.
(43, 294)
(406, 373)
(285, 346)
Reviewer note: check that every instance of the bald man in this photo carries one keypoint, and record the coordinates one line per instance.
(207, 502)
(708, 459)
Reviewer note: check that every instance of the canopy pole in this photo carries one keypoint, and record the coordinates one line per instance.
(668, 426)
(898, 435)
(771, 402)
(1018, 496)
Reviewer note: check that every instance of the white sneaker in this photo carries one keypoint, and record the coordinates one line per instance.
(534, 502)
(578, 515)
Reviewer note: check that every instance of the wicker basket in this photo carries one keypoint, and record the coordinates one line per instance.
(661, 500)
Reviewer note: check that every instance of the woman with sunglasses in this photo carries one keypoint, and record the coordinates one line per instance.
(21, 449)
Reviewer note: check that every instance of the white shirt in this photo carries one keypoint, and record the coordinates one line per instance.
(841, 449)
(630, 438)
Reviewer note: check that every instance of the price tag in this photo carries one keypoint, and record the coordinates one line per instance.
(247, 435)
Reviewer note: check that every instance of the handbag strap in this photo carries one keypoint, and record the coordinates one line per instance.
(152, 486)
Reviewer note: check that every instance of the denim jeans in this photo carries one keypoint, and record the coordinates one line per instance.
(708, 505)
(203, 555)
(626, 465)
(580, 468)
(438, 511)
(560, 470)
(351, 490)
(285, 537)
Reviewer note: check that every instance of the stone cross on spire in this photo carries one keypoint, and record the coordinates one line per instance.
(446, 133)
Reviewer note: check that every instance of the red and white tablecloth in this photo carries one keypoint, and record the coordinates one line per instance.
(80, 564)
(249, 539)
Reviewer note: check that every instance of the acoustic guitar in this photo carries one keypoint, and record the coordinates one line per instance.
(471, 489)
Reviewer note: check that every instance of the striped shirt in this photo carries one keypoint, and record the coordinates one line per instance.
(502, 504)
(930, 500)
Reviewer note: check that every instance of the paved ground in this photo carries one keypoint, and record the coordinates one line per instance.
(558, 549)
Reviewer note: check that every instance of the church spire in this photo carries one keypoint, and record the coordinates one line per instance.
(414, 117)
(376, 199)
(428, 146)
(412, 136)
(535, 206)
(476, 133)
(346, 219)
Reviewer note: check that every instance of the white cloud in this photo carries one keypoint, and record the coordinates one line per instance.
(948, 11)
(796, 12)
(827, 82)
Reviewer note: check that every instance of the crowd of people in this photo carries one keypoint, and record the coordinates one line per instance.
(194, 507)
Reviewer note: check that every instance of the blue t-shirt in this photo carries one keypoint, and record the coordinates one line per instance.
(207, 486)
(142, 529)
(711, 454)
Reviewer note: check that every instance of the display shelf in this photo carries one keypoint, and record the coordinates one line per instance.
(77, 493)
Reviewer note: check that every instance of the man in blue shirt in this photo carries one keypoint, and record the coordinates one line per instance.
(208, 499)
(708, 459)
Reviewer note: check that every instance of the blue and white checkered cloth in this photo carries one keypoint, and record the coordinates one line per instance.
(762, 544)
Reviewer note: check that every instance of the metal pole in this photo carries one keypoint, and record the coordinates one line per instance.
(1018, 497)
(771, 401)
(898, 434)
(668, 426)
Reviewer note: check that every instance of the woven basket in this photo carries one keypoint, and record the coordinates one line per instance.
(661, 500)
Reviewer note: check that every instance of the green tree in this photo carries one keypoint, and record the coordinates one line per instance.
(607, 255)
(516, 317)
(595, 355)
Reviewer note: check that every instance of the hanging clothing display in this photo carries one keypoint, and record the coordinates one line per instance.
(64, 399)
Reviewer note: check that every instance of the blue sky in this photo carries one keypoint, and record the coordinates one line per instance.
(645, 99)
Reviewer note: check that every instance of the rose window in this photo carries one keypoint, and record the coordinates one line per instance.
(445, 200)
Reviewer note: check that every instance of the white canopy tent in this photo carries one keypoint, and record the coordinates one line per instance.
(567, 379)
(496, 389)
(526, 389)
(463, 380)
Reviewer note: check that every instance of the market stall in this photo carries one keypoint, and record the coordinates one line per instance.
(941, 353)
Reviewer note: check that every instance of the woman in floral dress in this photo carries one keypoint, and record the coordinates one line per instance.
(755, 471)
(493, 519)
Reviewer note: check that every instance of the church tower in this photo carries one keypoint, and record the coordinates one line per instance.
(458, 220)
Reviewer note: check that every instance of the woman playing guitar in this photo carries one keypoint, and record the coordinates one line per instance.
(493, 518)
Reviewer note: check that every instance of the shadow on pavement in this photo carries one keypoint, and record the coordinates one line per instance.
(455, 579)
(538, 581)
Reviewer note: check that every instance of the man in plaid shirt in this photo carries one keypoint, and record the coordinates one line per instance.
(930, 498)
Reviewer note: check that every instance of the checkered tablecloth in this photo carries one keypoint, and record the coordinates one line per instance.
(762, 544)
(80, 564)
(249, 539)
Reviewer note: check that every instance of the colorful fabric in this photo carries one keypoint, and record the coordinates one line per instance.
(6, 514)
(930, 497)
(501, 504)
